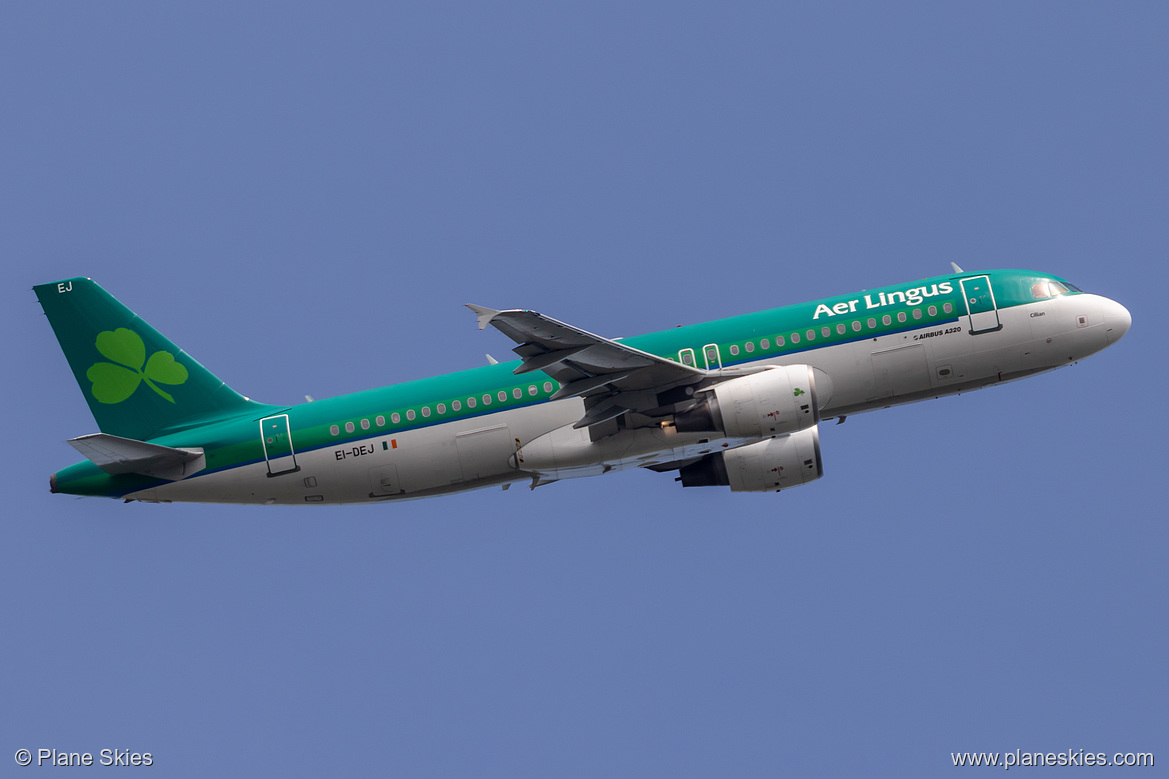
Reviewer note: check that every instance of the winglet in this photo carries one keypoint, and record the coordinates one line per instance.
(485, 314)
(953, 265)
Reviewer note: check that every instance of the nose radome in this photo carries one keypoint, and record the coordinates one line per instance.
(1117, 320)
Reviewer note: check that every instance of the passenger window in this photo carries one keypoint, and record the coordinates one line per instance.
(840, 329)
(734, 350)
(917, 313)
(456, 405)
(517, 393)
(410, 415)
(872, 323)
(750, 347)
(901, 316)
(348, 427)
(947, 307)
(486, 400)
(765, 344)
(471, 402)
(825, 331)
(932, 311)
(532, 390)
(426, 411)
(502, 396)
(334, 430)
(380, 421)
(811, 335)
(886, 320)
(441, 408)
(547, 386)
(365, 424)
(795, 338)
(395, 417)
(856, 326)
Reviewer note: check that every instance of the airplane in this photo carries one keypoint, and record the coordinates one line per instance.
(733, 402)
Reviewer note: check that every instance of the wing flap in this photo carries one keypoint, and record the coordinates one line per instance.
(539, 360)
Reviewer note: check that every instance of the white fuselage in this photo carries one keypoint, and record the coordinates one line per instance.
(537, 443)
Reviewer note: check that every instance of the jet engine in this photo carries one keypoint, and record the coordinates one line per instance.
(775, 464)
(769, 403)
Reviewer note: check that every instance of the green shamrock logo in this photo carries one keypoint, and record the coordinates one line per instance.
(115, 381)
(797, 392)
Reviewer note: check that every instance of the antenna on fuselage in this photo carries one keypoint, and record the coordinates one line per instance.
(954, 265)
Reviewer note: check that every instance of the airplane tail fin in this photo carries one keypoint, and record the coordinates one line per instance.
(138, 384)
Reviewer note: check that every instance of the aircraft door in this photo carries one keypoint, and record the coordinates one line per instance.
(276, 437)
(981, 311)
(714, 361)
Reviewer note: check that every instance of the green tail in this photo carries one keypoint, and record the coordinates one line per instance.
(138, 384)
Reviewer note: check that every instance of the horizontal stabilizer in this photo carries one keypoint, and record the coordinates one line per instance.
(115, 455)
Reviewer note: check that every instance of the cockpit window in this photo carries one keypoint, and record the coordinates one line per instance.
(1048, 289)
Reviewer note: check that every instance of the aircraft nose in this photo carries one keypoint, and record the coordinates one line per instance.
(1117, 320)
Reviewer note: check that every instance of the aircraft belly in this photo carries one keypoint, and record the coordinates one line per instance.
(566, 453)
(446, 458)
(216, 487)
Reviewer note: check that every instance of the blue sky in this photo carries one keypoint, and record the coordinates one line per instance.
(304, 196)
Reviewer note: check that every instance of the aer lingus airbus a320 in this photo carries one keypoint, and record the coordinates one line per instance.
(734, 402)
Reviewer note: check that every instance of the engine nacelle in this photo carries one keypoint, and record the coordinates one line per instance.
(765, 466)
(769, 403)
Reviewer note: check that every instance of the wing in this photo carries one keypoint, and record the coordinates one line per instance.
(611, 377)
